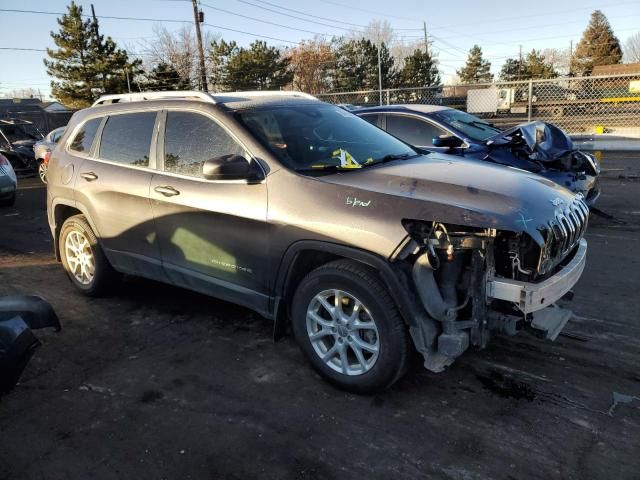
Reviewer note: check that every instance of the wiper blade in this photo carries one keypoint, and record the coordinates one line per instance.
(479, 125)
(321, 168)
(390, 157)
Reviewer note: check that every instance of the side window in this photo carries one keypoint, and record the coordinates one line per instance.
(190, 139)
(371, 118)
(84, 138)
(126, 138)
(413, 130)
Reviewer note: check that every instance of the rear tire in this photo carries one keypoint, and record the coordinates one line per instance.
(83, 258)
(349, 327)
(42, 172)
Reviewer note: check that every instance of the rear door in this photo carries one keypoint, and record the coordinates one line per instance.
(213, 234)
(113, 185)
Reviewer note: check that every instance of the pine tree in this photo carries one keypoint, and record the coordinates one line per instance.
(537, 66)
(259, 67)
(85, 64)
(477, 69)
(165, 77)
(219, 54)
(357, 65)
(533, 66)
(512, 69)
(598, 46)
(419, 70)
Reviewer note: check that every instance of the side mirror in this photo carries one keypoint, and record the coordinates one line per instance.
(228, 167)
(448, 141)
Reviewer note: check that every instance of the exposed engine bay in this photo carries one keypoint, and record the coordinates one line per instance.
(472, 281)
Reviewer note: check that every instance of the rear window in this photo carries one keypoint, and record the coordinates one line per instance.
(84, 138)
(126, 138)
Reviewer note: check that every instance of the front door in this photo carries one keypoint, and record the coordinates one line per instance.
(212, 234)
(113, 186)
(415, 131)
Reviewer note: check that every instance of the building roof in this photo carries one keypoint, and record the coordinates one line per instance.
(616, 69)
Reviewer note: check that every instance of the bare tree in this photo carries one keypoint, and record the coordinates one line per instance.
(177, 49)
(632, 49)
(559, 59)
(24, 93)
(381, 31)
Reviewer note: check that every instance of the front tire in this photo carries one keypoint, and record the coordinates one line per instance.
(83, 258)
(349, 327)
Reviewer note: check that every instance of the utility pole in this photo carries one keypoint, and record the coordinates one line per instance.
(199, 18)
(519, 62)
(570, 55)
(426, 39)
(380, 72)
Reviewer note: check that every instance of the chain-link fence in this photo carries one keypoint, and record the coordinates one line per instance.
(579, 105)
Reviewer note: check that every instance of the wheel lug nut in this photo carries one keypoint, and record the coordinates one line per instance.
(340, 340)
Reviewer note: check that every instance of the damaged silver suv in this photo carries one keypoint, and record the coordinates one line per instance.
(364, 246)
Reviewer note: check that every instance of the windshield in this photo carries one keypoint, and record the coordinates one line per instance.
(20, 133)
(321, 136)
(473, 127)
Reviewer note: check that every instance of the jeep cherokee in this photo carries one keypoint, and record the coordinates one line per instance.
(311, 216)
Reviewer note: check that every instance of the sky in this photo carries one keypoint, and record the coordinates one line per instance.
(500, 27)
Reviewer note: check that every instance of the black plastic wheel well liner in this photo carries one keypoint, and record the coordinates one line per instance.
(60, 214)
(306, 255)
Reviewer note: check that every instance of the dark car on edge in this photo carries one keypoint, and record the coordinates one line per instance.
(17, 138)
(316, 219)
(538, 147)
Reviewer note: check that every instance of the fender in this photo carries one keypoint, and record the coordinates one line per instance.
(404, 300)
(54, 228)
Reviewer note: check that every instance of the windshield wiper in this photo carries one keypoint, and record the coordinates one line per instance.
(390, 157)
(479, 125)
(324, 168)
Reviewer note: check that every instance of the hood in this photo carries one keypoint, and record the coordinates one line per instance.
(448, 189)
(542, 141)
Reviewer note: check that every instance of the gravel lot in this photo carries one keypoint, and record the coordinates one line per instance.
(158, 382)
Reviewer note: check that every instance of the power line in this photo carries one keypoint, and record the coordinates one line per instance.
(369, 11)
(333, 20)
(143, 19)
(260, 20)
(294, 16)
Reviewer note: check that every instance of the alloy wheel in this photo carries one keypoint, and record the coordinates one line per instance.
(80, 257)
(42, 172)
(342, 332)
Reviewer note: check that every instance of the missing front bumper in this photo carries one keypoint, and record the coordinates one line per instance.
(531, 297)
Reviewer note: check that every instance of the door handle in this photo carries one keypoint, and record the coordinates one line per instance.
(167, 190)
(89, 176)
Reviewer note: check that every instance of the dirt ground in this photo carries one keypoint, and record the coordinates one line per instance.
(158, 382)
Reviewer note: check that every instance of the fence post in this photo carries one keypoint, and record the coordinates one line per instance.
(529, 100)
(387, 96)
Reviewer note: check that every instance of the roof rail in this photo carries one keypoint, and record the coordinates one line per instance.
(140, 96)
(263, 93)
(206, 97)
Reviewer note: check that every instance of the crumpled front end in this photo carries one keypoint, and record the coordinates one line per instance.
(473, 281)
(545, 149)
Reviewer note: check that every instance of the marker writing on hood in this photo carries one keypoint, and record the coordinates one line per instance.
(354, 202)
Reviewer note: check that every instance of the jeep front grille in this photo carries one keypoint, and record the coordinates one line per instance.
(564, 233)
